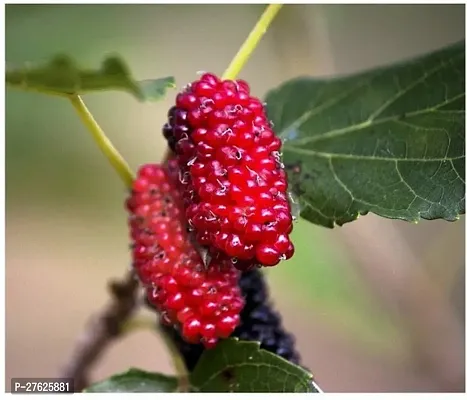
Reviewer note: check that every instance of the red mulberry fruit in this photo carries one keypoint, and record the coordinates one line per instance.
(234, 184)
(203, 302)
(259, 322)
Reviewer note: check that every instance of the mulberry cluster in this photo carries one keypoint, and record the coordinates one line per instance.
(259, 322)
(234, 185)
(203, 303)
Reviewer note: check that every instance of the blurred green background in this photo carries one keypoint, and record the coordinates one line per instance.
(376, 305)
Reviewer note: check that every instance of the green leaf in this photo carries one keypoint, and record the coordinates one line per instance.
(136, 380)
(389, 141)
(239, 366)
(62, 76)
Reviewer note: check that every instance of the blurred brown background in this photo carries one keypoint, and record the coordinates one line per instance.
(377, 305)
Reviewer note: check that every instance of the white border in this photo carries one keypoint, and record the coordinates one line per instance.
(2, 199)
(200, 396)
(232, 2)
(251, 396)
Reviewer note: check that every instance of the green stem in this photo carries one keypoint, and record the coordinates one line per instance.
(142, 323)
(137, 324)
(251, 41)
(178, 363)
(103, 142)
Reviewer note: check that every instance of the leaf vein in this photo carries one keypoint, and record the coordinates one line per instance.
(408, 88)
(314, 111)
(339, 181)
(366, 124)
(457, 172)
(414, 192)
(323, 154)
(309, 204)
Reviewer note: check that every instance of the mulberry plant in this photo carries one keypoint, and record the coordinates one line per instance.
(206, 221)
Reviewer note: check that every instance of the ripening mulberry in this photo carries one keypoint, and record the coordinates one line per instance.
(203, 303)
(259, 322)
(234, 184)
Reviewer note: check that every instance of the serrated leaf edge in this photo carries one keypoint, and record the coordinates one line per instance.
(134, 86)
